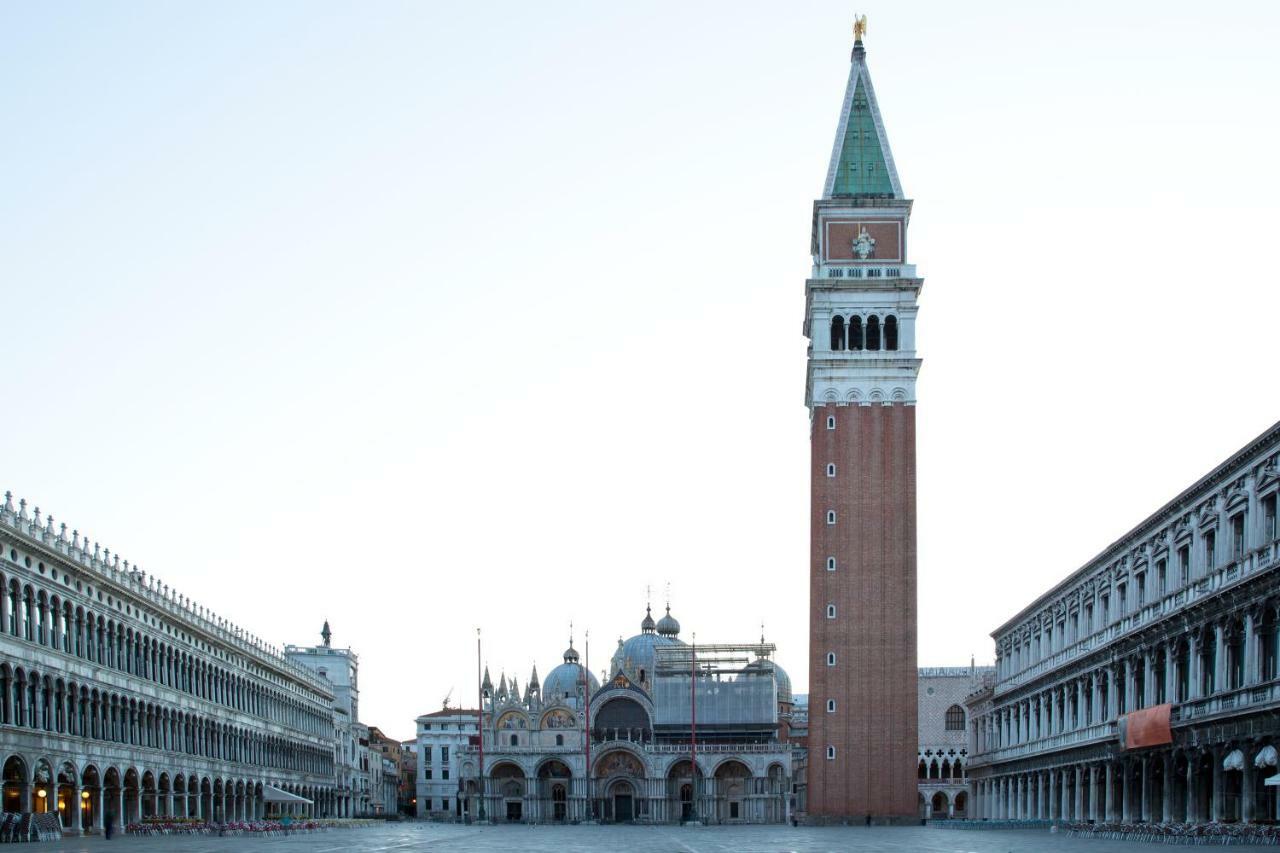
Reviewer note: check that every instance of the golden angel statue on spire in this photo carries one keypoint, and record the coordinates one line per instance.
(859, 27)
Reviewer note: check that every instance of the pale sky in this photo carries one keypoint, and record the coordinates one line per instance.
(423, 317)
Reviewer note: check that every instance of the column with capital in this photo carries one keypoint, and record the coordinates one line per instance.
(1166, 789)
(1148, 681)
(1249, 648)
(1077, 812)
(1216, 803)
(1095, 709)
(1113, 693)
(1170, 674)
(1145, 792)
(1219, 658)
(1247, 793)
(1064, 791)
(1093, 793)
(1109, 812)
(1193, 665)
(1130, 690)
(1192, 810)
(1053, 795)
(1126, 793)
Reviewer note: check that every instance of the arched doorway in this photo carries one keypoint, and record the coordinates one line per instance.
(179, 796)
(111, 795)
(553, 790)
(148, 794)
(732, 779)
(163, 790)
(509, 782)
(132, 796)
(682, 781)
(67, 794)
(961, 804)
(90, 797)
(621, 800)
(939, 805)
(15, 784)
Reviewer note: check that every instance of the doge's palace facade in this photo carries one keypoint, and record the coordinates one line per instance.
(1146, 685)
(120, 696)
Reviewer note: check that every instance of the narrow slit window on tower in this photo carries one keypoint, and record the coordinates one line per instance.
(831, 564)
(873, 332)
(831, 516)
(831, 469)
(831, 658)
(855, 333)
(831, 706)
(891, 332)
(831, 611)
(837, 333)
(831, 753)
(831, 421)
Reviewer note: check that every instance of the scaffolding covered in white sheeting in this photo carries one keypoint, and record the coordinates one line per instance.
(736, 691)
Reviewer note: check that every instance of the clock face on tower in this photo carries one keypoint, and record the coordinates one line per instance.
(846, 240)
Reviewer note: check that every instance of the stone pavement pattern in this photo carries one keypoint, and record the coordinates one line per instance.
(407, 837)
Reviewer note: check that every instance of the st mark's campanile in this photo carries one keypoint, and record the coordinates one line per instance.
(860, 318)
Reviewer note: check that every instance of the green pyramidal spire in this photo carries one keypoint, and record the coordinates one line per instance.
(861, 163)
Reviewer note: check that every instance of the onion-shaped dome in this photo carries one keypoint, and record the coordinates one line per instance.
(668, 626)
(646, 624)
(635, 656)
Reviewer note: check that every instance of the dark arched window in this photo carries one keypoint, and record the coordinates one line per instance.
(873, 332)
(955, 719)
(855, 333)
(837, 333)
(891, 332)
(515, 740)
(559, 740)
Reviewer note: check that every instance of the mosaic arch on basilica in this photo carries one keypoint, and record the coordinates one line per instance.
(538, 743)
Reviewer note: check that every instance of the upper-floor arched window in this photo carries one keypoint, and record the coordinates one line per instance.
(955, 719)
(837, 333)
(873, 332)
(891, 332)
(855, 333)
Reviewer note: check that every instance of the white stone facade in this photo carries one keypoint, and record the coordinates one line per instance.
(120, 696)
(441, 738)
(1176, 620)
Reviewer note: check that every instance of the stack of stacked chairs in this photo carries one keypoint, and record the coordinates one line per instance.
(47, 827)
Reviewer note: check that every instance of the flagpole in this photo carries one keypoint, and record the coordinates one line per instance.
(480, 723)
(586, 740)
(693, 724)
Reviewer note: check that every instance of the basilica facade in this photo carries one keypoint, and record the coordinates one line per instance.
(676, 733)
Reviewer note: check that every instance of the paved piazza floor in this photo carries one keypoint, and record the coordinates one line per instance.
(620, 839)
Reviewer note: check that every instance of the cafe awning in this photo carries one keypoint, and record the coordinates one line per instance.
(272, 794)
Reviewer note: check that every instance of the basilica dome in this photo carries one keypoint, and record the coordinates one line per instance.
(562, 683)
(636, 656)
